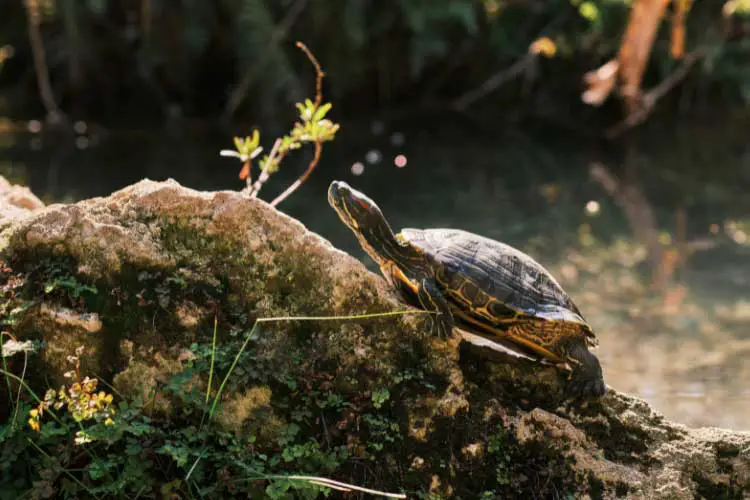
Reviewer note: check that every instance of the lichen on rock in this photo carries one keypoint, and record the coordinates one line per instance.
(146, 276)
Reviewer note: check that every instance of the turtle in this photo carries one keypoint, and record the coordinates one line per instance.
(480, 286)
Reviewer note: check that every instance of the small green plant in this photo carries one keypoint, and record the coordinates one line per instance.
(497, 446)
(81, 399)
(312, 127)
(379, 397)
(70, 285)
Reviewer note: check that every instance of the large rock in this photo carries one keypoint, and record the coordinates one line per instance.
(16, 201)
(139, 277)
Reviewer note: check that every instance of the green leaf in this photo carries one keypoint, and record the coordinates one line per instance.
(98, 469)
(133, 447)
(321, 112)
(380, 396)
(178, 452)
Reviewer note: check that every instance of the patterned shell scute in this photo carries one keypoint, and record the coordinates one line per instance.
(497, 269)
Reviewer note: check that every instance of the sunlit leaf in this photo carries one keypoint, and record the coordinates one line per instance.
(230, 153)
(321, 112)
(589, 10)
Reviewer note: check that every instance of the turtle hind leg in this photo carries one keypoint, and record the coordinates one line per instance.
(440, 321)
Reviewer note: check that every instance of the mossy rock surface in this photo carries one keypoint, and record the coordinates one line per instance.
(140, 279)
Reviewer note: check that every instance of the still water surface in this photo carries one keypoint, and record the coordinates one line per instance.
(683, 347)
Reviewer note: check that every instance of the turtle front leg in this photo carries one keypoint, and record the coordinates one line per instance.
(432, 299)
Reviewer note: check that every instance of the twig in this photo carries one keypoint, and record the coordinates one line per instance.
(264, 175)
(319, 74)
(325, 428)
(494, 82)
(40, 61)
(247, 173)
(342, 486)
(240, 92)
(507, 74)
(303, 177)
(650, 98)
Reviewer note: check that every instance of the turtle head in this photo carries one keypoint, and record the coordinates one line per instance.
(364, 218)
(358, 211)
(586, 380)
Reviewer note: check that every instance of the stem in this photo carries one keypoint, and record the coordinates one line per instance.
(302, 178)
(264, 175)
(319, 74)
(213, 358)
(338, 485)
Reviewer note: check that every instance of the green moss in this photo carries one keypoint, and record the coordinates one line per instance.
(139, 382)
(251, 413)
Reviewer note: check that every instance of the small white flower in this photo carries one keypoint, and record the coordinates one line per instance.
(234, 154)
(82, 438)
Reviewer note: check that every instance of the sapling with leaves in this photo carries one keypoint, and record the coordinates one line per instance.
(312, 127)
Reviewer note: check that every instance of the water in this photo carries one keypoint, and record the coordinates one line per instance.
(682, 347)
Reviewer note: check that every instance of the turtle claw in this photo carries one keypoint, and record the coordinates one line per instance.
(588, 388)
(439, 325)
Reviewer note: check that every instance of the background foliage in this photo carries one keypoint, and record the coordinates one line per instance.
(122, 59)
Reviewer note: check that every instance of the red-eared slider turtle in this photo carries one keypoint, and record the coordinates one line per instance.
(479, 285)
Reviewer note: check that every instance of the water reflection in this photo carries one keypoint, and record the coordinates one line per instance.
(657, 262)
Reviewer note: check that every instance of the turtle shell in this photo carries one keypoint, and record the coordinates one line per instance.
(493, 284)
